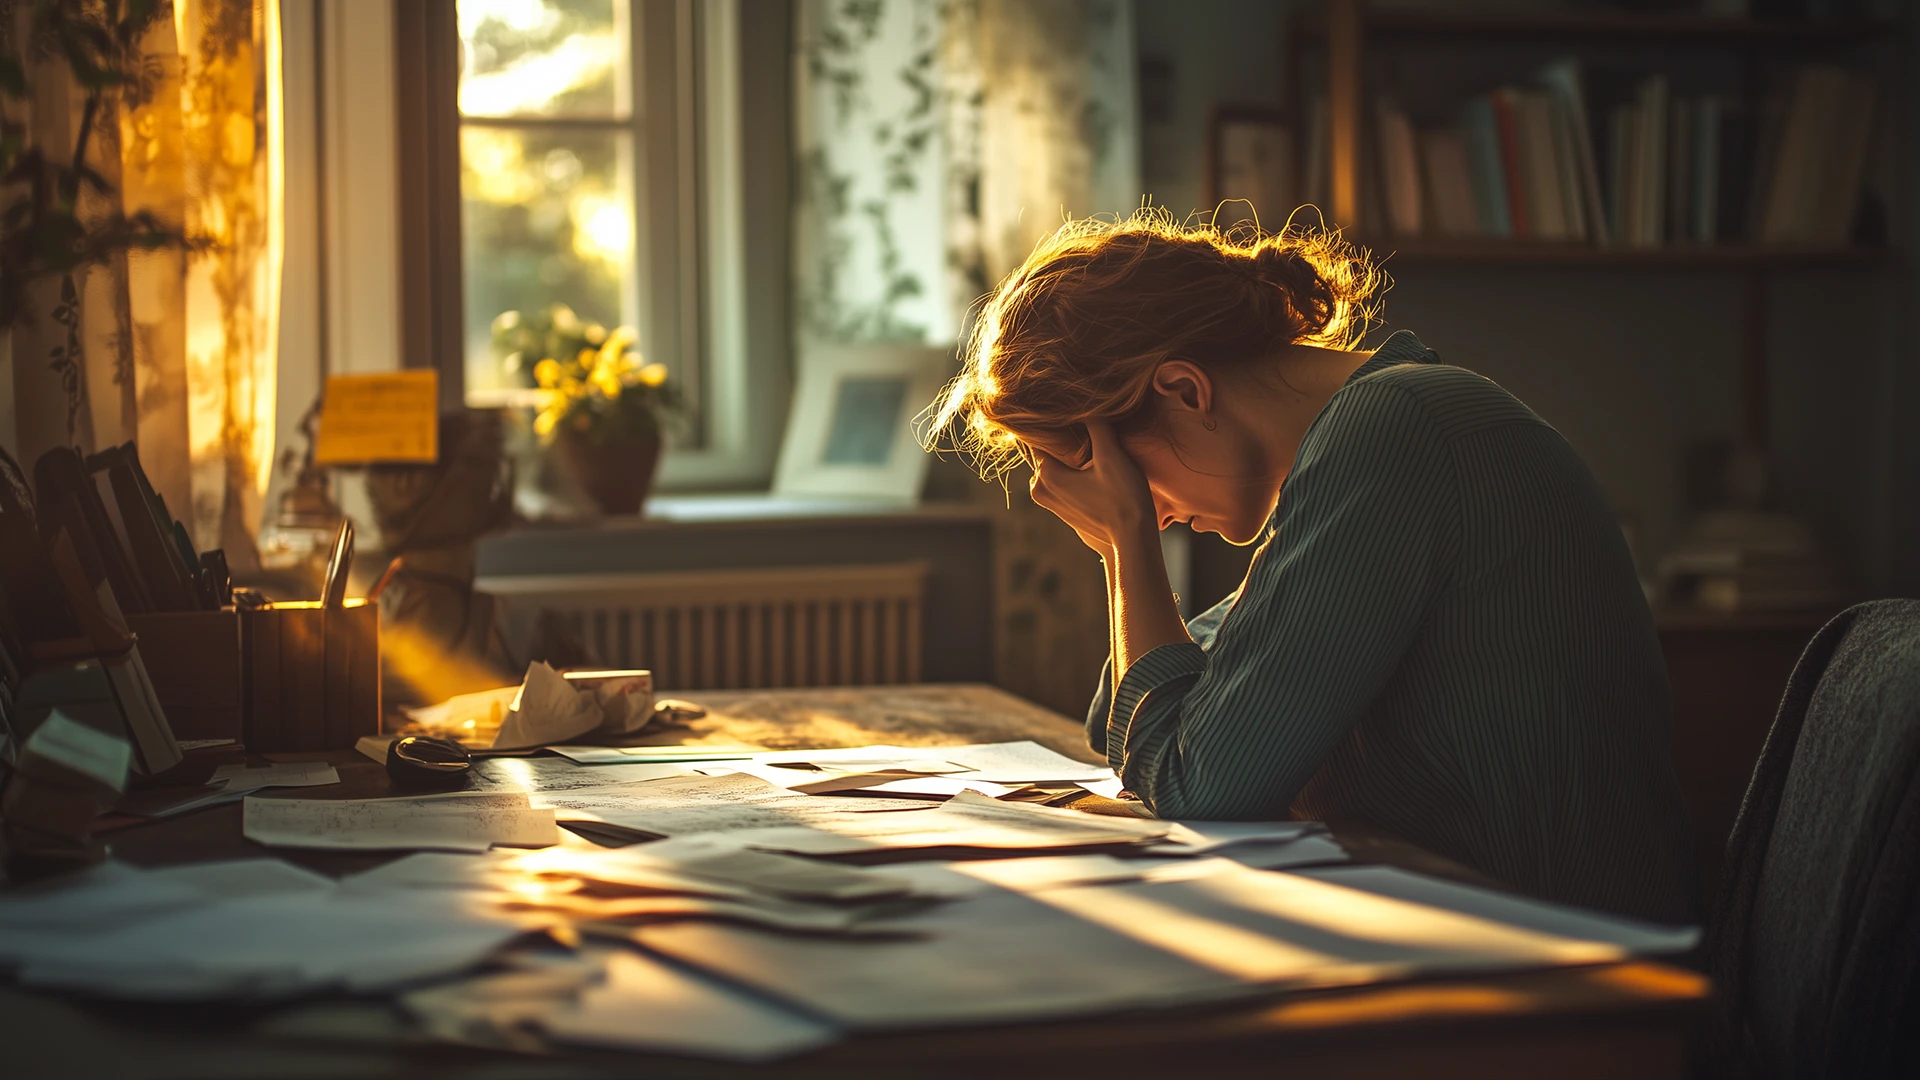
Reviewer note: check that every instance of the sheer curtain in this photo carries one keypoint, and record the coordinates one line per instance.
(173, 351)
(938, 140)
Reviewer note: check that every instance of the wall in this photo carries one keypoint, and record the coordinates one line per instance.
(1631, 364)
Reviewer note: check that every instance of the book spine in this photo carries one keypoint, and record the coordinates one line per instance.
(1512, 173)
(1483, 158)
(1707, 123)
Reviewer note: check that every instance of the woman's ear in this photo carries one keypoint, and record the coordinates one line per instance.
(1184, 386)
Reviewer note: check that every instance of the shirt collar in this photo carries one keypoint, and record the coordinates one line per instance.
(1401, 348)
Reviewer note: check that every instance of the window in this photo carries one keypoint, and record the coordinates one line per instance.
(547, 193)
(615, 155)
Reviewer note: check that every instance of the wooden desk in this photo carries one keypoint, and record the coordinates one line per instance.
(1629, 1019)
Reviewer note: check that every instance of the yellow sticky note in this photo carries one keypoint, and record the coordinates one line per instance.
(392, 416)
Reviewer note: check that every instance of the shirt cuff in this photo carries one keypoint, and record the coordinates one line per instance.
(1180, 661)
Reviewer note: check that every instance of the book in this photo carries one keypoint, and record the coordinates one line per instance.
(1623, 150)
(1449, 182)
(1680, 165)
(1539, 164)
(1839, 195)
(1704, 216)
(69, 501)
(1481, 134)
(1400, 169)
(1564, 80)
(1512, 172)
(151, 542)
(1650, 161)
(1573, 205)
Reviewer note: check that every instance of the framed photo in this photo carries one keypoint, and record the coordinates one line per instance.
(1252, 154)
(850, 432)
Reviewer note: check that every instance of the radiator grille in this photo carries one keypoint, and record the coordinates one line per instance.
(736, 629)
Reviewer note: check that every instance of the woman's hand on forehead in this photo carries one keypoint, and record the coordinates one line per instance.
(1106, 500)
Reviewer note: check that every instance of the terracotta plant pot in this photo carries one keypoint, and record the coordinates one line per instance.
(616, 475)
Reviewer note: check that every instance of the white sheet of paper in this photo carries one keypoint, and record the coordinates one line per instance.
(930, 760)
(279, 774)
(650, 1004)
(1311, 850)
(1023, 762)
(1201, 837)
(560, 774)
(457, 822)
(549, 710)
(627, 755)
(1110, 787)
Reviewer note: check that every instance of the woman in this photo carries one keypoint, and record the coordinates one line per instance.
(1441, 633)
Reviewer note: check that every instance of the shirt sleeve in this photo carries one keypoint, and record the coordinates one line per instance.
(1203, 627)
(1367, 522)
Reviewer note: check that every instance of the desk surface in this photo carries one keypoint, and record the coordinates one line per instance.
(1612, 1020)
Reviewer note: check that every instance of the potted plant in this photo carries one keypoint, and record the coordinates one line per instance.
(602, 410)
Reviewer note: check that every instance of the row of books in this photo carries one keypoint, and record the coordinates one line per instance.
(1540, 162)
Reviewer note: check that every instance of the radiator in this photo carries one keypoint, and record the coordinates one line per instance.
(734, 629)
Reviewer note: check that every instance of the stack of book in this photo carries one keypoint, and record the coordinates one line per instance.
(1545, 162)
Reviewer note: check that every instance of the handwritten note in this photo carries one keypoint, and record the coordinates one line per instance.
(391, 416)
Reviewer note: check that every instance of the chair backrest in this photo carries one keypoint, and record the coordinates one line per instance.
(1815, 948)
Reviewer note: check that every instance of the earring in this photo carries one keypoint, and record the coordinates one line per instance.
(1210, 424)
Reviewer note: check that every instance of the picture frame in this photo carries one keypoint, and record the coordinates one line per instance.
(1253, 155)
(850, 432)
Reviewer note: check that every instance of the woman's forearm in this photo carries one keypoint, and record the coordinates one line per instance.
(1143, 613)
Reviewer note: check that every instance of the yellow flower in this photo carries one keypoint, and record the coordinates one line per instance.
(543, 423)
(654, 374)
(595, 334)
(547, 373)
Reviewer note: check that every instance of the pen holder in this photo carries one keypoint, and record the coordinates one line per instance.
(313, 675)
(196, 664)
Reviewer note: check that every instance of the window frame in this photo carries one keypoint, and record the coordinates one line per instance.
(711, 134)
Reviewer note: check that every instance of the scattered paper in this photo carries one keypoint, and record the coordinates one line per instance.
(230, 784)
(1208, 930)
(1200, 837)
(560, 774)
(720, 858)
(624, 755)
(1108, 788)
(473, 719)
(968, 820)
(274, 945)
(1024, 762)
(456, 822)
(650, 1004)
(279, 774)
(696, 804)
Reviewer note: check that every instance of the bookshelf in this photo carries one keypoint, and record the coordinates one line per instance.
(1586, 26)
(1348, 33)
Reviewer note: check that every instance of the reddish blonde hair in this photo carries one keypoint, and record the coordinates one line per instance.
(1077, 332)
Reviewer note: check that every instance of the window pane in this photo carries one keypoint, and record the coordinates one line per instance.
(545, 58)
(547, 217)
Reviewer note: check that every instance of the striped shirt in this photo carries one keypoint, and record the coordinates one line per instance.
(1442, 636)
